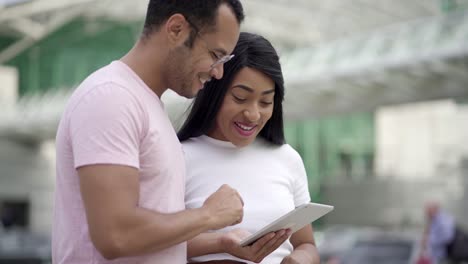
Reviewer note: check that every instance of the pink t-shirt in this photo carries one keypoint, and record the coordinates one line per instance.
(114, 118)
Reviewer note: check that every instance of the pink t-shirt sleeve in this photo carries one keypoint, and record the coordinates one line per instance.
(105, 127)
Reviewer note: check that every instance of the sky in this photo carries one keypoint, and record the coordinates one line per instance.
(11, 2)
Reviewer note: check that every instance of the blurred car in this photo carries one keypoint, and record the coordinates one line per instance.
(382, 249)
(334, 241)
(350, 245)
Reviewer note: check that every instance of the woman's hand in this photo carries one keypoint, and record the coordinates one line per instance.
(256, 252)
(296, 259)
(302, 255)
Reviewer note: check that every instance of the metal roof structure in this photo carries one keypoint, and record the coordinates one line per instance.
(29, 21)
(423, 60)
(288, 24)
(338, 56)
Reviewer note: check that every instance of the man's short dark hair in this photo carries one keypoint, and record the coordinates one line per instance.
(201, 13)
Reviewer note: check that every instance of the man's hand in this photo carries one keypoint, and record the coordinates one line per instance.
(225, 207)
(230, 243)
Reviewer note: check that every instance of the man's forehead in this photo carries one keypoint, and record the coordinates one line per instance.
(225, 32)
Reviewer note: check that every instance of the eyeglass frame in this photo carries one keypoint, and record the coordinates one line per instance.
(219, 60)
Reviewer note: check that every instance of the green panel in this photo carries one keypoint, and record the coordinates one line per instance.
(461, 100)
(453, 5)
(5, 42)
(334, 147)
(66, 57)
(310, 143)
(290, 133)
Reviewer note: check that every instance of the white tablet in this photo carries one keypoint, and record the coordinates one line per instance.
(294, 220)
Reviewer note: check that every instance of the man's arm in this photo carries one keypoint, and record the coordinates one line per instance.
(119, 228)
(305, 251)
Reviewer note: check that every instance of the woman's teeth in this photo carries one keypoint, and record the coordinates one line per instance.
(243, 127)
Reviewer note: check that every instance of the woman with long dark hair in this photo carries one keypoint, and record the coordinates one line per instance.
(234, 135)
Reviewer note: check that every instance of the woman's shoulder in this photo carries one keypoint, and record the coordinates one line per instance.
(194, 144)
(191, 145)
(285, 150)
(190, 142)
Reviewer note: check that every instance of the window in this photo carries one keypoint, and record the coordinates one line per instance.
(14, 213)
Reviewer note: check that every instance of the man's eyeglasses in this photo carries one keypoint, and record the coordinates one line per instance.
(218, 59)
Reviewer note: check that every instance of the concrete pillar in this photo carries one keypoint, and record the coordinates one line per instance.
(8, 88)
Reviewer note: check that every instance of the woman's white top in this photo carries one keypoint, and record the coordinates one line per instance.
(271, 180)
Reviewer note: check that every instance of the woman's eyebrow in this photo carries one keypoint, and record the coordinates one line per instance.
(247, 88)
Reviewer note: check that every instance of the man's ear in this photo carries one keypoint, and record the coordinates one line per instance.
(177, 28)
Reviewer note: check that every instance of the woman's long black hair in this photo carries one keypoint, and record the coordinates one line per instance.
(251, 51)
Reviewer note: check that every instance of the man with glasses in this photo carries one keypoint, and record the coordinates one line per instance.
(120, 168)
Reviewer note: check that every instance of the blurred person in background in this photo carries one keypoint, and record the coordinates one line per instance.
(443, 241)
(234, 134)
(120, 168)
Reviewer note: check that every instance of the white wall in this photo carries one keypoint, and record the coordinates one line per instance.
(28, 173)
(390, 202)
(422, 140)
(462, 128)
(8, 88)
(176, 107)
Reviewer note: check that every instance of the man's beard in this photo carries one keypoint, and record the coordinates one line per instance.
(180, 78)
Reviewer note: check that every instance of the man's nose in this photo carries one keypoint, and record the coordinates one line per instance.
(217, 71)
